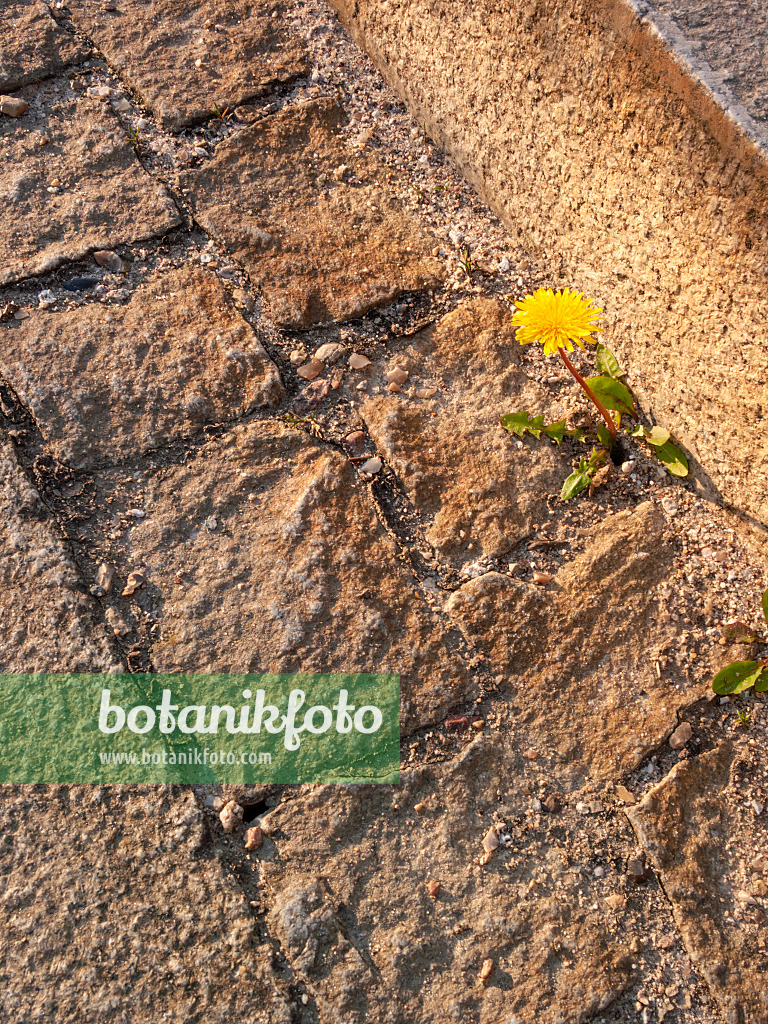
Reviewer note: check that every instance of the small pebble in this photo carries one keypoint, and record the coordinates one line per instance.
(110, 261)
(433, 888)
(212, 523)
(680, 736)
(395, 389)
(456, 724)
(491, 840)
(244, 300)
(486, 971)
(330, 353)
(355, 438)
(372, 466)
(542, 577)
(358, 362)
(254, 838)
(80, 284)
(397, 376)
(136, 581)
(231, 815)
(627, 467)
(635, 867)
(12, 106)
(670, 506)
(311, 369)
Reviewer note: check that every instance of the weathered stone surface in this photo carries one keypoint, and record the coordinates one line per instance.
(702, 844)
(112, 907)
(320, 247)
(584, 649)
(264, 554)
(49, 622)
(33, 46)
(351, 907)
(243, 51)
(107, 383)
(105, 197)
(458, 466)
(586, 137)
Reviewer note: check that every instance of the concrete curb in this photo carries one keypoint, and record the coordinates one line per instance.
(607, 145)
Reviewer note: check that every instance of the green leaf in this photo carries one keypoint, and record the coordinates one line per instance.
(740, 632)
(736, 677)
(761, 684)
(612, 394)
(582, 477)
(520, 423)
(607, 363)
(605, 437)
(556, 431)
(765, 605)
(639, 431)
(657, 436)
(575, 484)
(672, 458)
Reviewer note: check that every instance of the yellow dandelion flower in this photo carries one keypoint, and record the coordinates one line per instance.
(556, 319)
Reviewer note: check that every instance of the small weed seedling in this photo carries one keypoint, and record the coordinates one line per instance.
(741, 675)
(744, 718)
(466, 261)
(557, 320)
(222, 115)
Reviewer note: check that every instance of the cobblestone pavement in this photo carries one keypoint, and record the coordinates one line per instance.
(233, 272)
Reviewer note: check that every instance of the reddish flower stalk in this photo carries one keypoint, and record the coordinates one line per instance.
(590, 395)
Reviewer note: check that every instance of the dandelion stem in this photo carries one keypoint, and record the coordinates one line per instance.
(590, 394)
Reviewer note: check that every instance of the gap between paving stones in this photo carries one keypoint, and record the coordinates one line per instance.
(42, 472)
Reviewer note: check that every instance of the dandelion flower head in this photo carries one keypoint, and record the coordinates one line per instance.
(556, 319)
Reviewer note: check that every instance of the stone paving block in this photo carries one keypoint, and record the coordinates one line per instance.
(710, 853)
(460, 469)
(584, 649)
(50, 623)
(106, 383)
(183, 59)
(310, 218)
(264, 553)
(33, 46)
(73, 183)
(347, 880)
(114, 907)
